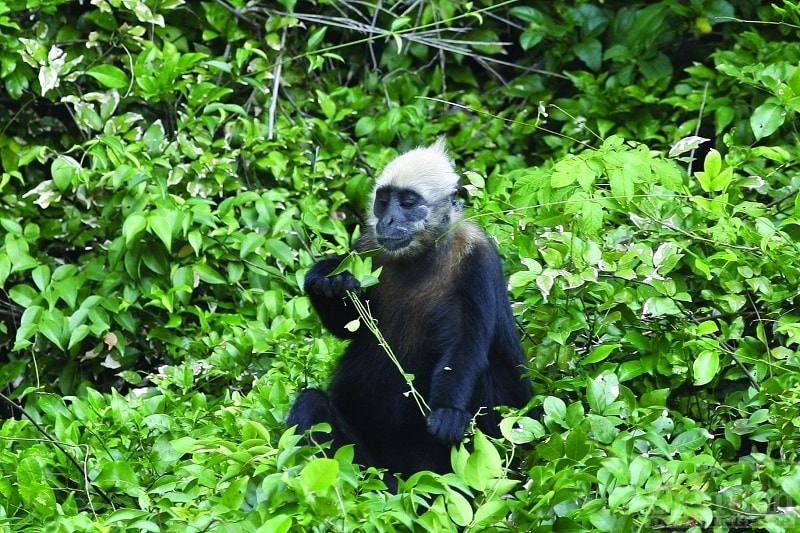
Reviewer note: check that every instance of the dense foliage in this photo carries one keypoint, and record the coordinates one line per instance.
(170, 170)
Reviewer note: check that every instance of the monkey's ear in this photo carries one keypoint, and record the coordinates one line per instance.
(457, 197)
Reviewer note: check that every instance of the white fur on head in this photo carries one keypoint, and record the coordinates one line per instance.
(427, 170)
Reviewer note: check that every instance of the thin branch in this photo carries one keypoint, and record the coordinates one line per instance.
(697, 129)
(87, 484)
(273, 104)
(427, 34)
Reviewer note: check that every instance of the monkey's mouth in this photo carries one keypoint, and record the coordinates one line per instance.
(393, 244)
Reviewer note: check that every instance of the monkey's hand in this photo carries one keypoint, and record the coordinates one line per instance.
(318, 282)
(448, 425)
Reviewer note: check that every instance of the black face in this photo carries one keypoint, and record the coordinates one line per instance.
(400, 214)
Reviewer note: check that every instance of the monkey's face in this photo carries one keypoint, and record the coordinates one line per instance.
(401, 217)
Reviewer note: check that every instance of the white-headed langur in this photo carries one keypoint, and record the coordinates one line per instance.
(442, 306)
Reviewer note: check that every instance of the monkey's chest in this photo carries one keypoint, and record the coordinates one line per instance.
(412, 329)
(412, 307)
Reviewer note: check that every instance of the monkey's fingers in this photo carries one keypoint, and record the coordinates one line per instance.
(448, 425)
(339, 286)
(351, 284)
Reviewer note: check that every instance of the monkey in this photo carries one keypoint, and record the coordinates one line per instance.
(441, 305)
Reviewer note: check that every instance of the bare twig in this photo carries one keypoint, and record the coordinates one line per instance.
(273, 104)
(697, 129)
(372, 324)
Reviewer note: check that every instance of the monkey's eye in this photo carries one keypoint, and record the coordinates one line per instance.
(409, 200)
(381, 199)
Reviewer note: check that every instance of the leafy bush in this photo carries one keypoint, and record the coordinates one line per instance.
(170, 170)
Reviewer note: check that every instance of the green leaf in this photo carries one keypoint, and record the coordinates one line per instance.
(459, 509)
(280, 250)
(791, 484)
(591, 217)
(250, 243)
(619, 469)
(656, 68)
(316, 38)
(400, 22)
(705, 367)
(707, 328)
(531, 37)
(277, 524)
(576, 447)
(522, 278)
(163, 225)
(690, 441)
(109, 76)
(766, 119)
(365, 126)
(77, 335)
(54, 327)
(721, 181)
(485, 460)
(11, 226)
(118, 476)
(567, 171)
(640, 469)
(41, 277)
(68, 289)
(196, 241)
(555, 408)
(133, 226)
(5, 267)
(657, 398)
(527, 14)
(154, 137)
(30, 483)
(521, 430)
(63, 170)
(713, 163)
(184, 445)
(704, 180)
(130, 517)
(319, 474)
(601, 428)
(18, 253)
(622, 182)
(599, 353)
(489, 513)
(233, 496)
(602, 392)
(23, 295)
(661, 306)
(208, 274)
(327, 105)
(590, 52)
(11, 371)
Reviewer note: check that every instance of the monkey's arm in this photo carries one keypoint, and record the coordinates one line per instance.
(472, 321)
(328, 295)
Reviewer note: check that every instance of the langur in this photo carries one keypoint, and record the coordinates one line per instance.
(442, 306)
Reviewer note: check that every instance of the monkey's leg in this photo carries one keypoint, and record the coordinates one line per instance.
(313, 407)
